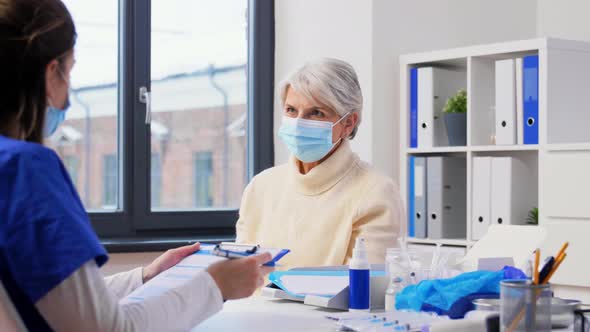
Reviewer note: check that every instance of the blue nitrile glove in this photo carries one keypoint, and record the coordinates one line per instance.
(453, 296)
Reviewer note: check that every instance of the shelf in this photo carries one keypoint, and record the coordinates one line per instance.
(486, 148)
(492, 148)
(545, 171)
(495, 51)
(568, 147)
(437, 149)
(447, 242)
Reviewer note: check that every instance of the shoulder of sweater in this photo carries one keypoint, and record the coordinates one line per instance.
(373, 179)
(378, 190)
(270, 175)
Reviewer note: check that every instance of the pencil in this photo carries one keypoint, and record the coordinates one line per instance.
(562, 250)
(536, 268)
(555, 267)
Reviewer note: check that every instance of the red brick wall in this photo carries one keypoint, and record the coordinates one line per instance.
(190, 131)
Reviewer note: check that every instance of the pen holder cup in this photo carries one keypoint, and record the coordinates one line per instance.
(525, 306)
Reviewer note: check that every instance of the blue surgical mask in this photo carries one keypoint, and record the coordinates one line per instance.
(308, 140)
(54, 118)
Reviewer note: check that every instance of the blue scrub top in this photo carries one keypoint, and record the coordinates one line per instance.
(45, 234)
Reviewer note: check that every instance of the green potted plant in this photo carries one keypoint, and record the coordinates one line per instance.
(533, 217)
(455, 115)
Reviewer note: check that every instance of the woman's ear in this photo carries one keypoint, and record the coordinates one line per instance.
(51, 78)
(350, 123)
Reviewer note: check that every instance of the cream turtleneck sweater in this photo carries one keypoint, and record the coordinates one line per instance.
(320, 214)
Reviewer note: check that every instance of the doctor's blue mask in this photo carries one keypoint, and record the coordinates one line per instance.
(308, 140)
(55, 116)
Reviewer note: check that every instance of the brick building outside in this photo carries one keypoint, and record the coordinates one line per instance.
(198, 141)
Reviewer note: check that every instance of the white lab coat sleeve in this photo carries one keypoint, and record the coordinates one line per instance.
(122, 284)
(82, 302)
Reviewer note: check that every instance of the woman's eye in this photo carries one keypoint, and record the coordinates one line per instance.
(289, 110)
(317, 113)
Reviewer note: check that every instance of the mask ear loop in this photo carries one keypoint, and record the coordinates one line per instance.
(68, 84)
(62, 75)
(335, 123)
(66, 80)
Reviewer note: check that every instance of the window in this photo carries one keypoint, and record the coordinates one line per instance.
(109, 181)
(156, 179)
(91, 127)
(199, 87)
(203, 179)
(71, 164)
(208, 69)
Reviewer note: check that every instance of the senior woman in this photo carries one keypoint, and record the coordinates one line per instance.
(325, 197)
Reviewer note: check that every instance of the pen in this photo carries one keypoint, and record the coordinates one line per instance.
(549, 262)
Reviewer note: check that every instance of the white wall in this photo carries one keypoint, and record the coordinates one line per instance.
(566, 19)
(371, 34)
(308, 29)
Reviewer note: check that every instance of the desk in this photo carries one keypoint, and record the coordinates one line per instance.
(258, 314)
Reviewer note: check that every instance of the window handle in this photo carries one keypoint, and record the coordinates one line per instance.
(145, 97)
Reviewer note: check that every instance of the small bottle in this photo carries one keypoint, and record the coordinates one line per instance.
(395, 286)
(359, 287)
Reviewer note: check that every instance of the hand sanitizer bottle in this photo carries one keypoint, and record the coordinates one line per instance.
(359, 288)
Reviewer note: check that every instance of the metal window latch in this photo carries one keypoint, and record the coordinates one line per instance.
(145, 97)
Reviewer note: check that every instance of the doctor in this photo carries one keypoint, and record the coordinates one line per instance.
(49, 254)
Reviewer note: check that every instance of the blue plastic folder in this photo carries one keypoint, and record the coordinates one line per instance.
(530, 90)
(324, 283)
(414, 107)
(411, 198)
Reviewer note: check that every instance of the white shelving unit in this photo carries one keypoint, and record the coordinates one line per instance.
(560, 163)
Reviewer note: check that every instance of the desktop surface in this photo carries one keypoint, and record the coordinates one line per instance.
(260, 314)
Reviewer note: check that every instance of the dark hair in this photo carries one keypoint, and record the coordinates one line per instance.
(32, 34)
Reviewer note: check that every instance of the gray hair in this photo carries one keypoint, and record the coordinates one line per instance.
(331, 82)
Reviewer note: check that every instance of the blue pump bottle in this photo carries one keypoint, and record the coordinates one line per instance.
(359, 274)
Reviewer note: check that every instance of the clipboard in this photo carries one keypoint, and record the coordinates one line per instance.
(193, 264)
(234, 250)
